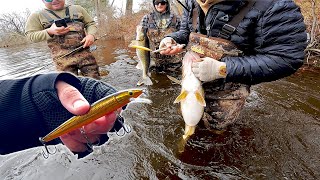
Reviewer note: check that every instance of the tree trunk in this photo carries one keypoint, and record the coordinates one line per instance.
(129, 6)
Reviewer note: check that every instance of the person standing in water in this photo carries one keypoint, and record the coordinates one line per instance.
(241, 43)
(156, 25)
(65, 28)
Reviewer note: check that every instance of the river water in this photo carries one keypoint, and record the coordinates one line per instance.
(277, 135)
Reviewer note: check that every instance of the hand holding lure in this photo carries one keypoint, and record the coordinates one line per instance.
(98, 109)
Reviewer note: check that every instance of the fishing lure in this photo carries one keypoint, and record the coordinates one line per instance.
(98, 109)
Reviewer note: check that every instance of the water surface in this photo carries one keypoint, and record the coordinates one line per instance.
(276, 137)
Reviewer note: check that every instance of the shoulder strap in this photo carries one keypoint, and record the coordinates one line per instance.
(51, 12)
(230, 28)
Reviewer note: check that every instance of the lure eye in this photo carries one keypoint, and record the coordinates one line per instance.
(130, 93)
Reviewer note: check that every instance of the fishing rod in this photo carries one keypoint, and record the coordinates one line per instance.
(67, 54)
(80, 48)
(183, 5)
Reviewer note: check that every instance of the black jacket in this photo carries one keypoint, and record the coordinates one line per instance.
(30, 108)
(272, 36)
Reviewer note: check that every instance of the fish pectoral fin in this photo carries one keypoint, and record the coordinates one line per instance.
(181, 97)
(200, 98)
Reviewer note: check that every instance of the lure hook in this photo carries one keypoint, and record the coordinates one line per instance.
(46, 153)
(126, 128)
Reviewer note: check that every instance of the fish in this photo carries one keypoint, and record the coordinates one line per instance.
(143, 55)
(98, 109)
(191, 98)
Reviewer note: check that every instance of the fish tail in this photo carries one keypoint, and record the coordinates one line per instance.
(152, 63)
(146, 81)
(181, 145)
(188, 131)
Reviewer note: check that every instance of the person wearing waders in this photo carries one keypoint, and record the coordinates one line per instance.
(156, 24)
(65, 28)
(240, 43)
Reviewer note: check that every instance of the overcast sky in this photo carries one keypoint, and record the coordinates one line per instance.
(21, 5)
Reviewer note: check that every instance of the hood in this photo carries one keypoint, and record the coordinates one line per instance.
(162, 19)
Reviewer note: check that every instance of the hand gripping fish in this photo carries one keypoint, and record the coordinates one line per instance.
(143, 55)
(191, 97)
(98, 109)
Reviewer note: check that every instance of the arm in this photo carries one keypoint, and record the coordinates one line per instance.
(34, 29)
(280, 40)
(90, 26)
(89, 23)
(182, 35)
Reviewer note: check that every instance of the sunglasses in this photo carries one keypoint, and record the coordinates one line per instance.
(160, 2)
(48, 1)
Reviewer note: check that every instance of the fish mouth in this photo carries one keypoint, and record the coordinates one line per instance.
(145, 92)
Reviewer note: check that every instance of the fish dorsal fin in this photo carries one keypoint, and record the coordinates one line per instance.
(181, 97)
(200, 98)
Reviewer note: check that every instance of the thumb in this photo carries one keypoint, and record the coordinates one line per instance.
(83, 40)
(72, 99)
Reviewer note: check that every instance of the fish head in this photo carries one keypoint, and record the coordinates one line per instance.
(127, 95)
(140, 33)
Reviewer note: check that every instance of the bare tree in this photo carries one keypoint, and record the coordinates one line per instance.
(13, 22)
(314, 44)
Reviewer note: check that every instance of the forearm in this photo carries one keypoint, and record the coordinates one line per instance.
(259, 68)
(38, 36)
(280, 41)
(182, 35)
(21, 121)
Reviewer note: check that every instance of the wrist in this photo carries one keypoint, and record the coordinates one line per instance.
(49, 32)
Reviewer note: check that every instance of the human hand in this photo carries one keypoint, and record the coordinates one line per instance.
(76, 104)
(88, 40)
(54, 30)
(171, 45)
(209, 69)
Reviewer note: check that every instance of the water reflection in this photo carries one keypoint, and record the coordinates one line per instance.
(276, 137)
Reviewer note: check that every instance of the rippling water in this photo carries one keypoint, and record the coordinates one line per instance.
(276, 137)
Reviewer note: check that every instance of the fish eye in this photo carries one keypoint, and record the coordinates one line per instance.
(130, 93)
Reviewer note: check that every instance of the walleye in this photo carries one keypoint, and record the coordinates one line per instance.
(191, 97)
(143, 55)
(98, 109)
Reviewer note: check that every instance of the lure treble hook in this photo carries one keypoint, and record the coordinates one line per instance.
(46, 153)
(127, 129)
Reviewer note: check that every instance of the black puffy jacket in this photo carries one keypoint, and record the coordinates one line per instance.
(273, 38)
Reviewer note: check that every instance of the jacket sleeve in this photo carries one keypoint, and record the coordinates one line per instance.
(34, 30)
(21, 122)
(182, 35)
(279, 43)
(89, 23)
